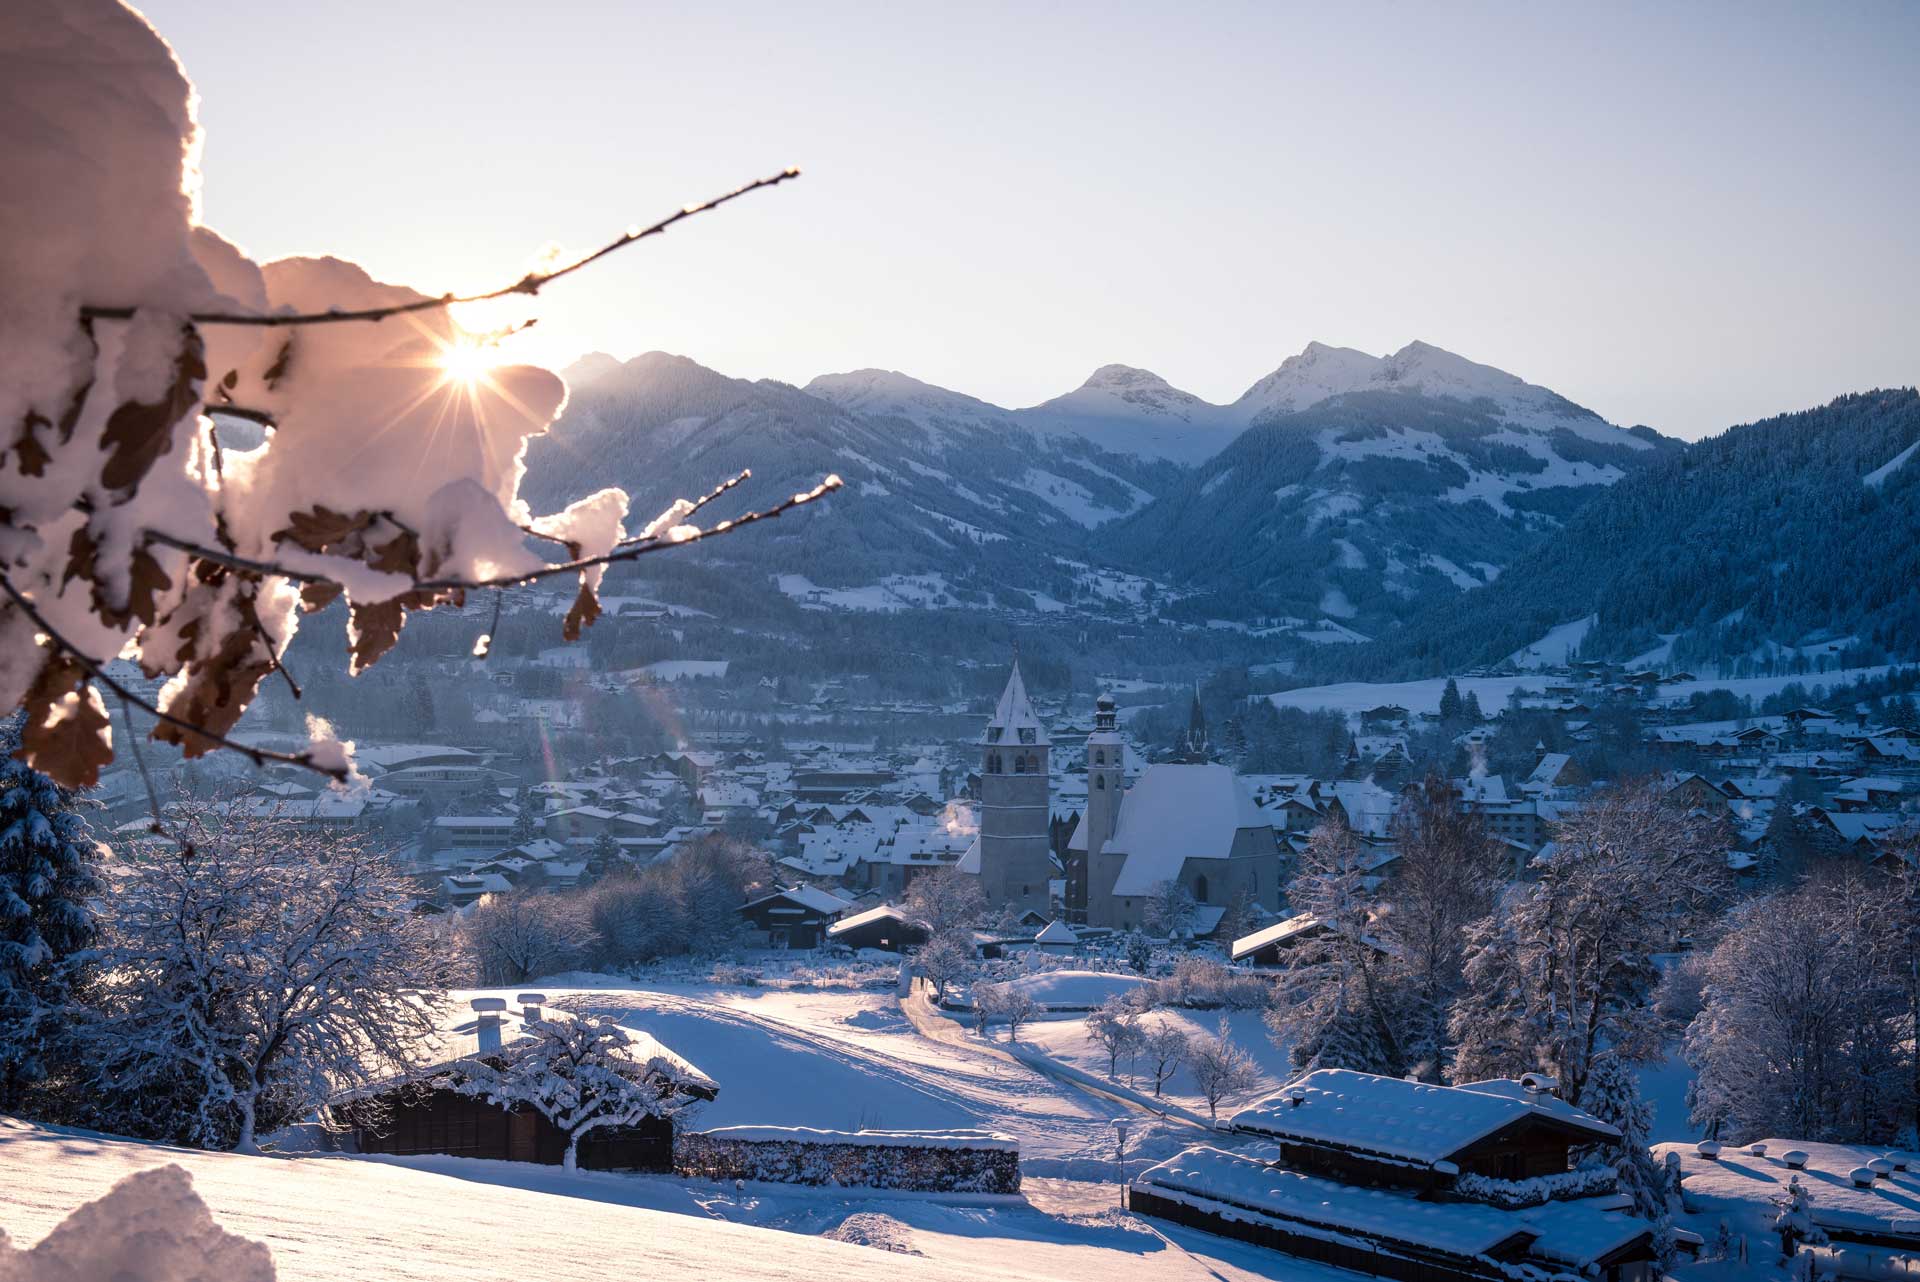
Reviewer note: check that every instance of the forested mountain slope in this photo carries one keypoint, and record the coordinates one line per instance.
(1772, 534)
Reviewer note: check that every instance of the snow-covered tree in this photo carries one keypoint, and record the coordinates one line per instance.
(1446, 878)
(1164, 1047)
(1221, 1068)
(583, 1074)
(1799, 1032)
(1169, 909)
(1495, 1034)
(247, 979)
(513, 938)
(986, 1006)
(48, 881)
(1335, 1004)
(945, 899)
(1628, 876)
(1115, 1028)
(1016, 1006)
(1793, 1218)
(390, 477)
(1612, 1094)
(946, 958)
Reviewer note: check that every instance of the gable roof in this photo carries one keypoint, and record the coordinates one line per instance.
(1392, 1118)
(1056, 932)
(1174, 813)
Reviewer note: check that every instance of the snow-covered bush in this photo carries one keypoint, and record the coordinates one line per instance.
(389, 476)
(1203, 983)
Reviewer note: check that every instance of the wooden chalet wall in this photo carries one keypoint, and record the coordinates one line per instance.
(448, 1122)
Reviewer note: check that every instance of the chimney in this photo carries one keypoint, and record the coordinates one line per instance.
(530, 1004)
(487, 1027)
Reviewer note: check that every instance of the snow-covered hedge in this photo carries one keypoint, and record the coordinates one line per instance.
(918, 1161)
(1511, 1195)
(1202, 983)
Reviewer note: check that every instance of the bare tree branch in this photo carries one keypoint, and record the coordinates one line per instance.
(531, 283)
(259, 756)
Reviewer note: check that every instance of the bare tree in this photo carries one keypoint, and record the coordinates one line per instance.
(1164, 1048)
(1170, 908)
(513, 938)
(246, 981)
(1221, 1068)
(945, 958)
(1447, 876)
(945, 899)
(986, 1005)
(1115, 1027)
(1016, 1006)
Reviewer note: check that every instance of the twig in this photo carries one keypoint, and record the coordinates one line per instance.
(633, 551)
(628, 551)
(278, 666)
(259, 756)
(698, 503)
(531, 283)
(158, 827)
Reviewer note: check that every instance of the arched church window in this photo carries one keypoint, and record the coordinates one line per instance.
(993, 764)
(1100, 783)
(1200, 889)
(1099, 756)
(1020, 764)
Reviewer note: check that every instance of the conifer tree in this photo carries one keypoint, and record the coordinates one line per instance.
(48, 878)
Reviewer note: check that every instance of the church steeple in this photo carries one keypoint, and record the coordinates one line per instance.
(1014, 721)
(1016, 867)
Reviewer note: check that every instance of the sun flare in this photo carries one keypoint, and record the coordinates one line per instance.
(468, 361)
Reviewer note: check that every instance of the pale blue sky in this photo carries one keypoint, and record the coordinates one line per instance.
(1686, 215)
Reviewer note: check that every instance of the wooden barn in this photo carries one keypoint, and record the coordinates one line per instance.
(410, 1116)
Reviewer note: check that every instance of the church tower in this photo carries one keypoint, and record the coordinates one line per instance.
(1106, 776)
(1015, 807)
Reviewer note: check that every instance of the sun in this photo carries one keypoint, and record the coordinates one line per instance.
(468, 361)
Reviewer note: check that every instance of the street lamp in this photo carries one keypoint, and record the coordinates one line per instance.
(1120, 1125)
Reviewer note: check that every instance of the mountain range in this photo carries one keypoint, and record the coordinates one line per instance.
(1336, 497)
(1361, 515)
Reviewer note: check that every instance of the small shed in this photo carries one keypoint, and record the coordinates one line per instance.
(409, 1116)
(1056, 937)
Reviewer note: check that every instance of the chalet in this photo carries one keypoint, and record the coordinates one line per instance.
(1554, 775)
(1693, 792)
(1418, 1183)
(796, 918)
(885, 928)
(414, 1114)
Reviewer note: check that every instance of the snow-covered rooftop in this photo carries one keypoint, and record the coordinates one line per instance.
(1411, 1121)
(1174, 813)
(1738, 1184)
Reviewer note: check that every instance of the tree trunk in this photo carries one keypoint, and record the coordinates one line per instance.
(571, 1160)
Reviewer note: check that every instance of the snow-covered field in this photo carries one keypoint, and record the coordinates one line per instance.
(1353, 697)
(808, 1058)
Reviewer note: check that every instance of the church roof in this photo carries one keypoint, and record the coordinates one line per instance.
(1175, 813)
(1015, 713)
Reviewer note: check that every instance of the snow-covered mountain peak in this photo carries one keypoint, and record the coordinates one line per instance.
(1316, 373)
(588, 369)
(889, 392)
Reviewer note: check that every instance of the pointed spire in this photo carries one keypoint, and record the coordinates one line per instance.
(1014, 720)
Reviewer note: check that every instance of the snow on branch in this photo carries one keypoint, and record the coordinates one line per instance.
(389, 477)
